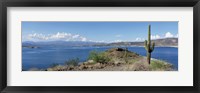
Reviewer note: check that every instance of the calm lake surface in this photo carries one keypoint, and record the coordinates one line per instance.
(43, 57)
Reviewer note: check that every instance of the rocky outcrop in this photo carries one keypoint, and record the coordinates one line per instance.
(121, 60)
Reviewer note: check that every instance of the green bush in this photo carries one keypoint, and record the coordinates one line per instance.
(72, 62)
(98, 57)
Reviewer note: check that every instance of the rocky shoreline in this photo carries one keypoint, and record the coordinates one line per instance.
(137, 66)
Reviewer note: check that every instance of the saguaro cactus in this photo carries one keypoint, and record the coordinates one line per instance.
(126, 55)
(149, 48)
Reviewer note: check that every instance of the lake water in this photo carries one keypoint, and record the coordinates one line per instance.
(43, 57)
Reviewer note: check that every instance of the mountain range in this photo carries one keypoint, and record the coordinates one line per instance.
(158, 42)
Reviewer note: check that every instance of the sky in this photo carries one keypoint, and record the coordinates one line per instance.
(97, 31)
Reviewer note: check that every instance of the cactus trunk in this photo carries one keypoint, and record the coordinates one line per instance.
(125, 55)
(148, 57)
(149, 48)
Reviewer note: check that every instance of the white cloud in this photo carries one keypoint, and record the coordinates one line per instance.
(83, 39)
(101, 41)
(139, 39)
(155, 37)
(75, 36)
(176, 35)
(57, 36)
(168, 34)
(117, 41)
(37, 36)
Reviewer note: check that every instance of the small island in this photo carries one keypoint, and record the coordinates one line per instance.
(30, 46)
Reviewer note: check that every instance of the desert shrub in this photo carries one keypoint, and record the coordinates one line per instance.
(72, 62)
(98, 57)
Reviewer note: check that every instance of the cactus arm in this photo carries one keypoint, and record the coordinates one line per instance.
(145, 45)
(152, 47)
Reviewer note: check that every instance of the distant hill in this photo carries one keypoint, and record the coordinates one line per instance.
(58, 43)
(166, 42)
(158, 42)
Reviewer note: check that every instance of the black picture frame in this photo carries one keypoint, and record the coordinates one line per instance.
(99, 3)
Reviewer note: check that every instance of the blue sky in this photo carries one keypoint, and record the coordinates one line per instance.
(97, 31)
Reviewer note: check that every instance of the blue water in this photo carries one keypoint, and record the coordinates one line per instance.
(43, 57)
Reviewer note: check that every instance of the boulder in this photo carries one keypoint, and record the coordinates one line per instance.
(49, 69)
(70, 67)
(90, 61)
(89, 66)
(81, 67)
(97, 66)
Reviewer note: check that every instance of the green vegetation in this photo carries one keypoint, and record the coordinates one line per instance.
(72, 62)
(156, 65)
(98, 57)
(159, 65)
(149, 48)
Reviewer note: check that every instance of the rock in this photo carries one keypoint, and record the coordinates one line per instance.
(85, 67)
(85, 63)
(120, 49)
(70, 67)
(139, 67)
(65, 68)
(81, 67)
(90, 61)
(97, 66)
(49, 69)
(76, 68)
(89, 66)
(116, 49)
(116, 62)
(103, 65)
(33, 69)
(110, 63)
